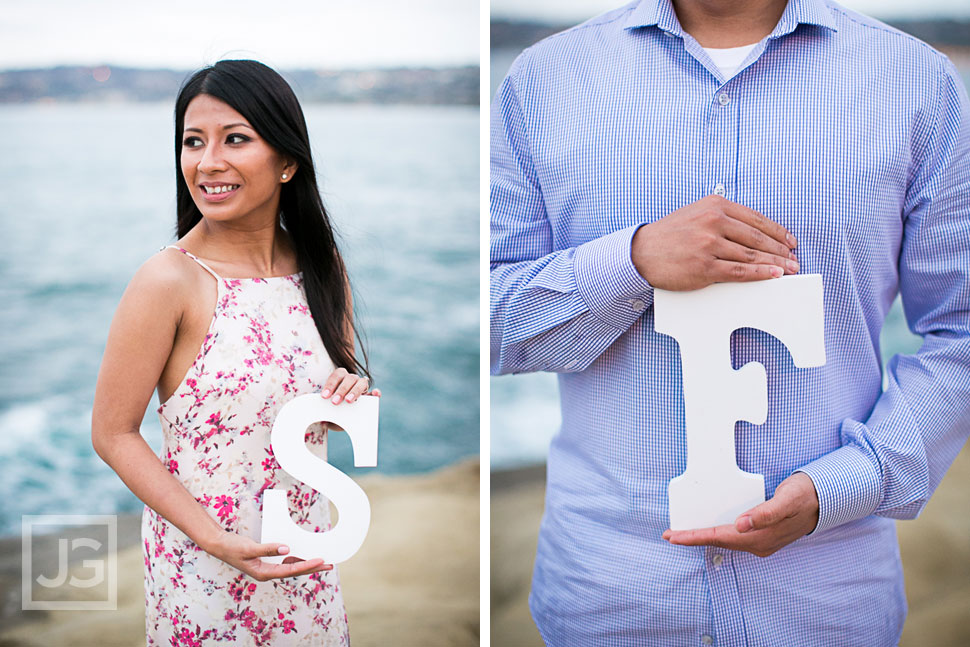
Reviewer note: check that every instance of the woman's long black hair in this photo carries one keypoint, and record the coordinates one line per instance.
(266, 100)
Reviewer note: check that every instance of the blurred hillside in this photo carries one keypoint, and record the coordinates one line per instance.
(451, 86)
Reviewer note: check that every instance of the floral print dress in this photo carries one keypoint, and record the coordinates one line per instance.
(262, 349)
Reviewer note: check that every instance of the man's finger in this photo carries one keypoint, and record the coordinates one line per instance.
(764, 515)
(729, 250)
(723, 271)
(754, 238)
(720, 536)
(761, 222)
(760, 542)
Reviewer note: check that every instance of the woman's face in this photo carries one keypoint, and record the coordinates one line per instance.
(231, 172)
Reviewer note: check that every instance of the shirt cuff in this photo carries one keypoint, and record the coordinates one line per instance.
(848, 486)
(608, 281)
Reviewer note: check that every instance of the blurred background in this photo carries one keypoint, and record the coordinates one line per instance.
(524, 409)
(87, 175)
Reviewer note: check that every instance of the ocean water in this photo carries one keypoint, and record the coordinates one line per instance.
(87, 194)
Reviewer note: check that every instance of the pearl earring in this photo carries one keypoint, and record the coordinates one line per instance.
(284, 176)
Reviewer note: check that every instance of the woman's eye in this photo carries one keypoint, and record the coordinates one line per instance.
(235, 136)
(191, 142)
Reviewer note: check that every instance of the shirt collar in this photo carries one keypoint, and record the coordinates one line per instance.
(654, 13)
(808, 12)
(660, 13)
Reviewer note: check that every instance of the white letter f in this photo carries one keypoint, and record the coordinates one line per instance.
(713, 491)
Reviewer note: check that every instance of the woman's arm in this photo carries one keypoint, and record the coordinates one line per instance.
(140, 341)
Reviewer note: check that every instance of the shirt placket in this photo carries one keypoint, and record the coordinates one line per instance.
(721, 179)
(728, 630)
(722, 141)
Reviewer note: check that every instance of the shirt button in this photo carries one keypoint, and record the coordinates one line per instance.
(724, 98)
(718, 559)
(571, 366)
(637, 304)
(707, 640)
(719, 189)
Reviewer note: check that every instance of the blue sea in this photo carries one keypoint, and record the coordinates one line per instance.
(87, 193)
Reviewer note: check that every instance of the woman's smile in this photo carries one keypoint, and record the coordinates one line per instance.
(218, 191)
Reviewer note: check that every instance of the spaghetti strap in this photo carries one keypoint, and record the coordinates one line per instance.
(194, 258)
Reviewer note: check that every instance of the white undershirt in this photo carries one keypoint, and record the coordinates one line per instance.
(730, 59)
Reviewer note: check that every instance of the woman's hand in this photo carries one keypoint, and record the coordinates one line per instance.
(244, 554)
(346, 386)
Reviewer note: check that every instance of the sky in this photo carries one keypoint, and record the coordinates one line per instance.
(566, 11)
(186, 34)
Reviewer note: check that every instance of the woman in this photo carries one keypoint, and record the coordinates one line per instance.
(224, 355)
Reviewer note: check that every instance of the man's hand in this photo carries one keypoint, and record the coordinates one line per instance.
(709, 241)
(764, 529)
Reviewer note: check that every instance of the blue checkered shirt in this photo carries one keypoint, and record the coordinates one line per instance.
(856, 138)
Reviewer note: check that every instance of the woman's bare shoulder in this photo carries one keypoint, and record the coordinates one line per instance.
(164, 278)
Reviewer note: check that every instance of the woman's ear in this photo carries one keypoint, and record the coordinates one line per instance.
(289, 169)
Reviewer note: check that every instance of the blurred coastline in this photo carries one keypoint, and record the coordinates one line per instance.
(117, 84)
